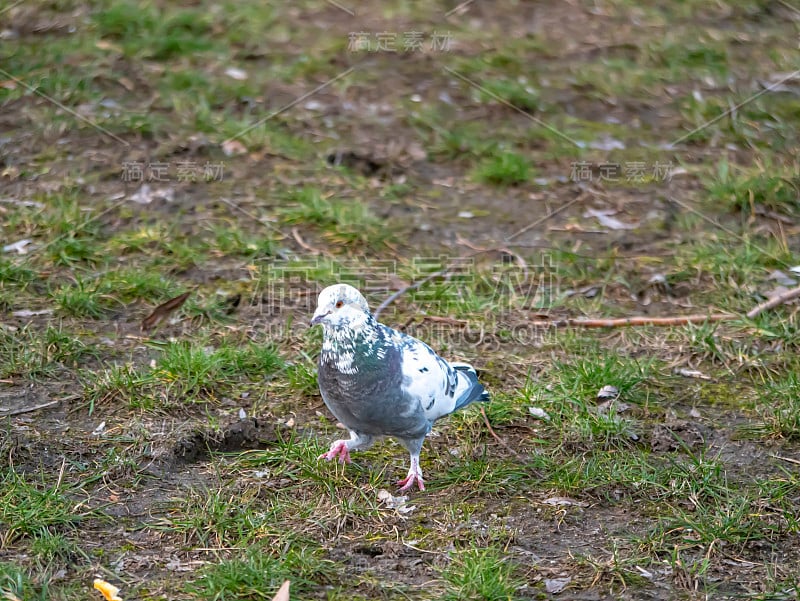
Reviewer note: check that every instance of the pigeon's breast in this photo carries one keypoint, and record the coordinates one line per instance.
(363, 388)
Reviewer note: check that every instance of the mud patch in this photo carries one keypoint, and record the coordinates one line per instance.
(245, 434)
(676, 435)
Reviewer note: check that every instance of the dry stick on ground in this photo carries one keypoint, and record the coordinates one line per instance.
(680, 320)
(30, 409)
(408, 288)
(305, 246)
(442, 272)
(774, 302)
(496, 437)
(501, 249)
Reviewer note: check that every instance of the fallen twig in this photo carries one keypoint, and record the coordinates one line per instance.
(496, 437)
(680, 320)
(448, 320)
(774, 302)
(582, 196)
(789, 459)
(501, 249)
(304, 245)
(31, 409)
(408, 288)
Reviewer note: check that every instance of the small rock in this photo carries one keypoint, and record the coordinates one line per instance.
(607, 392)
(556, 585)
(539, 413)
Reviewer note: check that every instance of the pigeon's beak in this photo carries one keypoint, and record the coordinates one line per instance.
(319, 315)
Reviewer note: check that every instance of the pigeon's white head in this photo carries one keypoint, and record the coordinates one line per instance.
(340, 305)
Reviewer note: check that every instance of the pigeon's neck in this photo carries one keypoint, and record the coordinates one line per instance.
(342, 342)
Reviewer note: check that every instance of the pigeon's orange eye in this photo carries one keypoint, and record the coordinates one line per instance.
(339, 304)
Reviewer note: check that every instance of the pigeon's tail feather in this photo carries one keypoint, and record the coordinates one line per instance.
(475, 390)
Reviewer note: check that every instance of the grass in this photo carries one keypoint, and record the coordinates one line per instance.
(183, 374)
(778, 405)
(480, 574)
(36, 511)
(504, 169)
(42, 354)
(347, 222)
(770, 188)
(258, 572)
(581, 482)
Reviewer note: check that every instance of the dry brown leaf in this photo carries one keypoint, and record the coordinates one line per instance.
(283, 592)
(163, 311)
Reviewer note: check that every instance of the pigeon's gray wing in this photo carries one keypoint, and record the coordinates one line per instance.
(371, 399)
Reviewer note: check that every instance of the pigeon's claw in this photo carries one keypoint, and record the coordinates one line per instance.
(338, 449)
(414, 476)
(408, 482)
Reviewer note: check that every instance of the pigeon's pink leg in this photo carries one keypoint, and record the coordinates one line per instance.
(338, 449)
(414, 475)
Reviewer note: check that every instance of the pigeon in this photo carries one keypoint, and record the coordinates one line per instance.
(380, 382)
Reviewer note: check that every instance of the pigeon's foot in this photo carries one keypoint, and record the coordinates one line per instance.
(338, 449)
(414, 476)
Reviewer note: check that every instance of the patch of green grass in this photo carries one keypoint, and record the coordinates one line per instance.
(272, 135)
(768, 189)
(618, 568)
(188, 371)
(738, 517)
(184, 374)
(86, 297)
(763, 124)
(197, 371)
(12, 274)
(41, 354)
(18, 582)
(678, 56)
(733, 263)
(778, 406)
(573, 406)
(144, 30)
(257, 573)
(131, 284)
(487, 475)
(167, 247)
(346, 222)
(584, 376)
(485, 574)
(30, 510)
(217, 518)
(633, 473)
(301, 377)
(232, 240)
(516, 92)
(504, 169)
(49, 547)
(121, 382)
